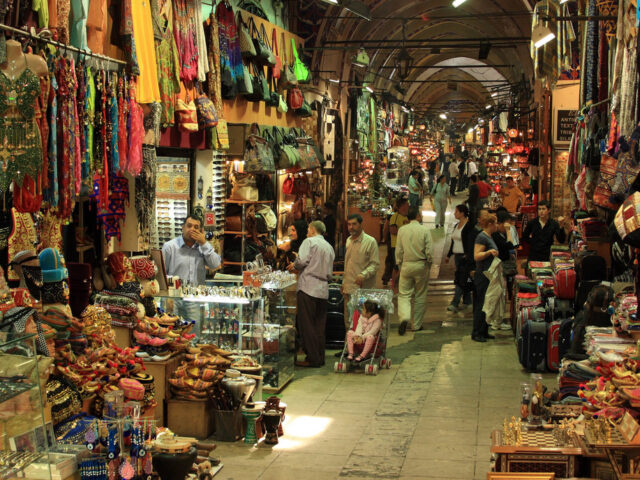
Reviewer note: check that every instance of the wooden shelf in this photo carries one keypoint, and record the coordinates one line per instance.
(231, 232)
(238, 264)
(247, 202)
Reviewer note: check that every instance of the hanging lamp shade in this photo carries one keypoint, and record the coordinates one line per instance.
(404, 62)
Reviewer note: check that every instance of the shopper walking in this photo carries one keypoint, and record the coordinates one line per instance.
(361, 261)
(433, 166)
(315, 266)
(482, 169)
(453, 177)
(414, 254)
(461, 248)
(415, 188)
(485, 250)
(397, 220)
(440, 199)
(540, 233)
(474, 199)
(462, 174)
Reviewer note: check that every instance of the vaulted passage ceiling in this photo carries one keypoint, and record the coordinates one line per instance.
(449, 71)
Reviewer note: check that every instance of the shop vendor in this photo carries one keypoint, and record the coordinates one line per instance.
(187, 255)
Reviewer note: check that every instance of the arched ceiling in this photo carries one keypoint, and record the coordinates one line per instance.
(438, 35)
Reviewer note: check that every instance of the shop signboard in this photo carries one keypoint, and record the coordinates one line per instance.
(564, 121)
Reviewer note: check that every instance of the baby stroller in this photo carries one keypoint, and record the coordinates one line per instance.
(377, 358)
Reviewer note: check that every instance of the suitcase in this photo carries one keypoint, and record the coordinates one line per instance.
(334, 329)
(532, 346)
(553, 343)
(564, 337)
(565, 283)
(592, 267)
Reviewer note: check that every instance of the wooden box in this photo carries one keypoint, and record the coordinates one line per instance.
(190, 418)
(161, 371)
(123, 336)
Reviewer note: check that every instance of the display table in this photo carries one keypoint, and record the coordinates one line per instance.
(538, 453)
(161, 371)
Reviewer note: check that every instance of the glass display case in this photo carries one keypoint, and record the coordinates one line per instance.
(278, 335)
(229, 322)
(25, 433)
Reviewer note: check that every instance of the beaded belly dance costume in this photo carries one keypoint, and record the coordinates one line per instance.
(20, 143)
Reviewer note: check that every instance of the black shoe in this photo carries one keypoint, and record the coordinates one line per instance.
(338, 355)
(402, 328)
(489, 336)
(478, 339)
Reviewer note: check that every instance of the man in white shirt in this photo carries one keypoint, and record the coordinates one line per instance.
(453, 175)
(315, 266)
(414, 255)
(361, 261)
(472, 167)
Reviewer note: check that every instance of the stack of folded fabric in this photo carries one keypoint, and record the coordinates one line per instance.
(122, 306)
(194, 378)
(573, 374)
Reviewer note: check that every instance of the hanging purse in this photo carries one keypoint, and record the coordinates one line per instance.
(295, 98)
(277, 68)
(305, 109)
(247, 48)
(207, 114)
(287, 75)
(264, 55)
(244, 188)
(282, 104)
(228, 88)
(303, 74)
(245, 86)
(287, 185)
(271, 57)
(274, 96)
(603, 194)
(258, 156)
(187, 115)
(288, 156)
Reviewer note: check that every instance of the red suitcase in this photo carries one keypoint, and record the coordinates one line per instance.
(565, 283)
(553, 342)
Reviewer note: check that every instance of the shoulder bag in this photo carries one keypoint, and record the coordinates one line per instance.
(258, 156)
(305, 109)
(286, 156)
(277, 67)
(295, 98)
(287, 76)
(247, 48)
(263, 53)
(245, 85)
(303, 74)
(207, 114)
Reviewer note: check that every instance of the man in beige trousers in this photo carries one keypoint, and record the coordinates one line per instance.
(414, 255)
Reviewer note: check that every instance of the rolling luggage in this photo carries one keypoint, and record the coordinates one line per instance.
(565, 283)
(335, 332)
(553, 344)
(564, 337)
(532, 346)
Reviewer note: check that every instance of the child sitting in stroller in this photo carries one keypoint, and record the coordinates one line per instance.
(369, 324)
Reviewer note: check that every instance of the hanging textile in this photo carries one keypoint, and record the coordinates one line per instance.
(147, 90)
(590, 91)
(231, 69)
(168, 61)
(214, 76)
(186, 36)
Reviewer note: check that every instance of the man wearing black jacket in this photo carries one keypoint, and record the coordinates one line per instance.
(540, 232)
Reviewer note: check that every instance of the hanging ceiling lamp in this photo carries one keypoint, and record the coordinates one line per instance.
(404, 61)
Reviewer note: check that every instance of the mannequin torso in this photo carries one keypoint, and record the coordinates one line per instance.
(16, 64)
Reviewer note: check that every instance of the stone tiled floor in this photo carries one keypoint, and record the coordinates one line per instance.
(429, 416)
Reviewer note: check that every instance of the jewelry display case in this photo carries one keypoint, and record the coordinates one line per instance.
(278, 335)
(25, 433)
(226, 316)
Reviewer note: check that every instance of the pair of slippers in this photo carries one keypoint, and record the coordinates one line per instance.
(358, 359)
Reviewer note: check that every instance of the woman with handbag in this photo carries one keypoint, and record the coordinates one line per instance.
(461, 249)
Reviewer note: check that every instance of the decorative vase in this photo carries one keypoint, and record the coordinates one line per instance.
(251, 415)
(271, 422)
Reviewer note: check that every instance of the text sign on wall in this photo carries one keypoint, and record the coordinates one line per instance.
(564, 122)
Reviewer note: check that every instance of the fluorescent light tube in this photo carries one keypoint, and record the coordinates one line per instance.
(544, 40)
(488, 107)
(334, 80)
(457, 3)
(369, 88)
(494, 94)
(443, 116)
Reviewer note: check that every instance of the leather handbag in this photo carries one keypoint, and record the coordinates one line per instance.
(277, 68)
(312, 151)
(287, 185)
(247, 48)
(287, 76)
(282, 104)
(274, 96)
(258, 84)
(295, 98)
(303, 74)
(290, 144)
(258, 156)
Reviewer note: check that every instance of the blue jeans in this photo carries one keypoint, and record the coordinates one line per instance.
(414, 200)
(460, 293)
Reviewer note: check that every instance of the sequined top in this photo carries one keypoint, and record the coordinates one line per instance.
(20, 142)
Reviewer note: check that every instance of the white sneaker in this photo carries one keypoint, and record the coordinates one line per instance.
(451, 308)
(505, 326)
(494, 327)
